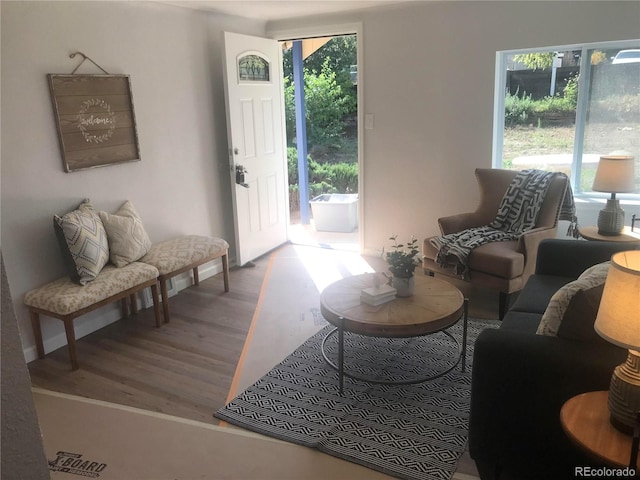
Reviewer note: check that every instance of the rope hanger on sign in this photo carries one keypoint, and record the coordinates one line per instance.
(85, 57)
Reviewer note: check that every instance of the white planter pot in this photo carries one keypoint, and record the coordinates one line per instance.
(404, 286)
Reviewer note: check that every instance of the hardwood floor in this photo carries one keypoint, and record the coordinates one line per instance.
(185, 368)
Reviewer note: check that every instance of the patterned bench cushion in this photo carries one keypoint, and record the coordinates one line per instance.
(64, 297)
(181, 252)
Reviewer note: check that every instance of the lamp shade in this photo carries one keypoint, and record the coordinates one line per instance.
(618, 319)
(614, 174)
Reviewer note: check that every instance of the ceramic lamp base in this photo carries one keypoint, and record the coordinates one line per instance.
(611, 218)
(624, 393)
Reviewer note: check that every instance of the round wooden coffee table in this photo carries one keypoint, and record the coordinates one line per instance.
(435, 306)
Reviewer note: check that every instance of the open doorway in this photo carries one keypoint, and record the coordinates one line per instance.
(322, 140)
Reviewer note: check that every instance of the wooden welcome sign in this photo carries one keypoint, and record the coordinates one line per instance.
(95, 120)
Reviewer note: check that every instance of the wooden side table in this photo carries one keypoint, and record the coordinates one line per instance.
(585, 420)
(627, 236)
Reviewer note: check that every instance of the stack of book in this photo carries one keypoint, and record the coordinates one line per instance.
(377, 295)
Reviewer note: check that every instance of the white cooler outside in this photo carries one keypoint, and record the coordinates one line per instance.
(335, 212)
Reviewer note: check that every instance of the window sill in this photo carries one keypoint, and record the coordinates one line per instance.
(601, 198)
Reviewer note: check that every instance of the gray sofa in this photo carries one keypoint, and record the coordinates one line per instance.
(520, 379)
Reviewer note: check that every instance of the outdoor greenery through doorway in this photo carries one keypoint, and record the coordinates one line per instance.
(330, 87)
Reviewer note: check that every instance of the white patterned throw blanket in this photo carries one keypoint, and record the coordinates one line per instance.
(517, 213)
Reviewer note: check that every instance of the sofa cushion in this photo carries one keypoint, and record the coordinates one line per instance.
(64, 297)
(537, 293)
(128, 240)
(174, 255)
(524, 322)
(83, 242)
(579, 312)
(501, 259)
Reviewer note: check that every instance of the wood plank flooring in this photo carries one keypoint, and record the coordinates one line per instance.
(185, 368)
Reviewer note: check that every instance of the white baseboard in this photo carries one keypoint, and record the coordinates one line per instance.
(114, 313)
(183, 281)
(146, 299)
(186, 280)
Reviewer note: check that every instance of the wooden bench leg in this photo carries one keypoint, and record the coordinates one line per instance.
(156, 305)
(125, 308)
(225, 271)
(165, 299)
(71, 343)
(196, 278)
(37, 333)
(134, 303)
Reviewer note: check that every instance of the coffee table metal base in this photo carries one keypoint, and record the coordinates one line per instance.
(462, 357)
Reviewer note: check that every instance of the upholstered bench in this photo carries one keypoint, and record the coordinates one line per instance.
(179, 255)
(66, 300)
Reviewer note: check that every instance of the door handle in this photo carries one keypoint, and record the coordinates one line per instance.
(240, 172)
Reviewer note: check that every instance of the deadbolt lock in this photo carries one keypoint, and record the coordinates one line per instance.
(240, 176)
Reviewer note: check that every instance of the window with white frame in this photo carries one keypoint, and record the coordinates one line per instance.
(561, 108)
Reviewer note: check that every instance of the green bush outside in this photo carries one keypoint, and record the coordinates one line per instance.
(323, 177)
(522, 109)
(570, 92)
(553, 104)
(517, 109)
(326, 106)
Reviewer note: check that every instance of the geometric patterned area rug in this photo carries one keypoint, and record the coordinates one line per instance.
(415, 431)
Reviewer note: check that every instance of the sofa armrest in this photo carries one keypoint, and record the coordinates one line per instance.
(528, 244)
(519, 383)
(569, 258)
(460, 222)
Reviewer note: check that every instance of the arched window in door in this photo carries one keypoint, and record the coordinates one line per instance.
(253, 68)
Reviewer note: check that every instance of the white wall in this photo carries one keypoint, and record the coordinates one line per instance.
(173, 56)
(22, 450)
(428, 78)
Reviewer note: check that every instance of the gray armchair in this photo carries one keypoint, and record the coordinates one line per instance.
(502, 266)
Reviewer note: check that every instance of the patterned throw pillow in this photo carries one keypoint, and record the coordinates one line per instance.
(83, 242)
(575, 304)
(128, 240)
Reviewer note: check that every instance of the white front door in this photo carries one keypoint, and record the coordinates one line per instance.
(257, 143)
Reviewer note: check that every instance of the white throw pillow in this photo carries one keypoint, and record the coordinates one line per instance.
(128, 240)
(557, 309)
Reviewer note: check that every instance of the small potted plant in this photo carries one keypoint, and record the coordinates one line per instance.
(403, 260)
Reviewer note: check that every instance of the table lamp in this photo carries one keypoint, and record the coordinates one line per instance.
(618, 321)
(614, 175)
